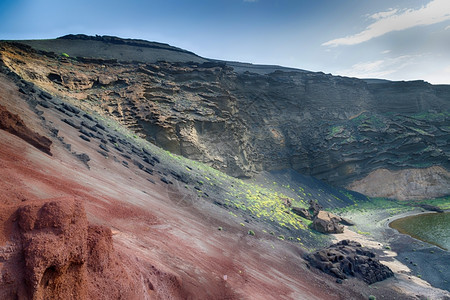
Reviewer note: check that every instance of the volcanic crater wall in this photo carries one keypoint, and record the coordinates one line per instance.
(243, 121)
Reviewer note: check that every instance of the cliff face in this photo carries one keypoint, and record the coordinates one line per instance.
(243, 119)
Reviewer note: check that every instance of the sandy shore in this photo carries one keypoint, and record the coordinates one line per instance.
(420, 268)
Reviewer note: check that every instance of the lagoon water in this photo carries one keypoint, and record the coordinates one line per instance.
(433, 228)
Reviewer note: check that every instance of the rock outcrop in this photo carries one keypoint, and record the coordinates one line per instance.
(349, 258)
(57, 254)
(13, 124)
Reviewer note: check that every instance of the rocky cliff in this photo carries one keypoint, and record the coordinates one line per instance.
(241, 118)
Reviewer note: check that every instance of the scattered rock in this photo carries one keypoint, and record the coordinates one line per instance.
(138, 164)
(83, 137)
(149, 171)
(68, 113)
(71, 108)
(100, 126)
(84, 158)
(44, 95)
(302, 212)
(71, 123)
(44, 104)
(88, 117)
(103, 153)
(149, 161)
(126, 156)
(103, 146)
(165, 180)
(314, 208)
(85, 132)
(91, 127)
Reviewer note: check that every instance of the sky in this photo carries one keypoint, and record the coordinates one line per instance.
(389, 39)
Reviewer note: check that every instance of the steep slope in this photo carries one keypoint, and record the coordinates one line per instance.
(111, 216)
(87, 222)
(243, 119)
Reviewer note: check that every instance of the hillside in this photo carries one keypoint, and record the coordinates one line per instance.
(243, 119)
(116, 158)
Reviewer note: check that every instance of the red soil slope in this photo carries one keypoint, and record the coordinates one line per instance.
(68, 232)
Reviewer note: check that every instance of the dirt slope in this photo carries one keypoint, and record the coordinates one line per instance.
(160, 248)
(105, 218)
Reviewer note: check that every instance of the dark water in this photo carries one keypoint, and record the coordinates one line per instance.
(433, 228)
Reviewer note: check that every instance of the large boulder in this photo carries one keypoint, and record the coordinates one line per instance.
(327, 222)
(349, 258)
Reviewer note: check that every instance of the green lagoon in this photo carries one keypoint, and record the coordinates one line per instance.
(433, 228)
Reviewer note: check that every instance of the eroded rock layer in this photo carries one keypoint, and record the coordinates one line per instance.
(243, 119)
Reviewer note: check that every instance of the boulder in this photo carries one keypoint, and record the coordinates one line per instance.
(327, 222)
(314, 207)
(345, 221)
(302, 212)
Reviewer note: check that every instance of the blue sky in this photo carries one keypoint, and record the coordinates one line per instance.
(397, 40)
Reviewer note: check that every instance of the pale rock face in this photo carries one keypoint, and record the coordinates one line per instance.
(409, 184)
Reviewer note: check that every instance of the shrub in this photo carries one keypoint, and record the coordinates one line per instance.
(65, 54)
(372, 297)
(251, 232)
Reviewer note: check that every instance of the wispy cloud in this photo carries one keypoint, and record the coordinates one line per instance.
(383, 14)
(379, 68)
(385, 51)
(250, 0)
(394, 20)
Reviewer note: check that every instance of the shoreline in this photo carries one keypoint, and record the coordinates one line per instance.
(406, 215)
(415, 263)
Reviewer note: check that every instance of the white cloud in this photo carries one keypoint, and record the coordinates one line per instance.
(250, 0)
(393, 20)
(385, 51)
(379, 68)
(447, 28)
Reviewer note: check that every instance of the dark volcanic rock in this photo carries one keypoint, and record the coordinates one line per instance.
(348, 258)
(314, 208)
(302, 212)
(431, 208)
